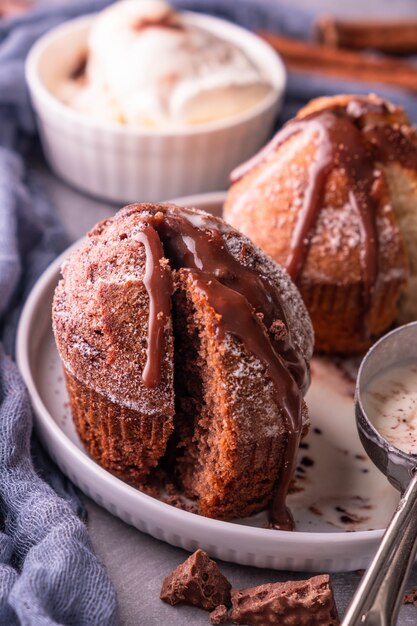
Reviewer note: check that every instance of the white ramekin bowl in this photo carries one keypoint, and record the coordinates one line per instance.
(126, 164)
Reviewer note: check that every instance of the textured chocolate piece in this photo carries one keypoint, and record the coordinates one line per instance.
(197, 581)
(220, 615)
(293, 603)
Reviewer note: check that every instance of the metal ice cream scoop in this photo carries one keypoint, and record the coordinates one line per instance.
(380, 593)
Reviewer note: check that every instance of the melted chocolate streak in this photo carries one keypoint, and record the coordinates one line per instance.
(247, 304)
(342, 142)
(158, 284)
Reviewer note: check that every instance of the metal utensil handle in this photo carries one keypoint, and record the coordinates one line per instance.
(379, 595)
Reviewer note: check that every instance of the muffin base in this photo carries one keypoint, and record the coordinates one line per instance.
(342, 324)
(124, 441)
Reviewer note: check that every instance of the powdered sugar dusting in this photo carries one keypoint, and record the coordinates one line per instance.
(297, 316)
(101, 308)
(266, 201)
(262, 404)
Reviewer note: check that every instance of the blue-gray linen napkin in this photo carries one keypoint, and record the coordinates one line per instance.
(48, 571)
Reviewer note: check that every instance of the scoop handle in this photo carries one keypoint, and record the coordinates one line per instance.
(379, 596)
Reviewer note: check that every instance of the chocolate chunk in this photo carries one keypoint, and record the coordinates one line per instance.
(197, 581)
(294, 603)
(220, 615)
(278, 330)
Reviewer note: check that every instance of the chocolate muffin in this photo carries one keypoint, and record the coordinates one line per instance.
(333, 198)
(185, 346)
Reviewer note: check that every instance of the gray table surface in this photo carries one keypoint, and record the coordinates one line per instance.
(136, 562)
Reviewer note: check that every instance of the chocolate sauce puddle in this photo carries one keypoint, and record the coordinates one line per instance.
(248, 305)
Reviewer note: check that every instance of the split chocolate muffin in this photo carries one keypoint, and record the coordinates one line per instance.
(184, 345)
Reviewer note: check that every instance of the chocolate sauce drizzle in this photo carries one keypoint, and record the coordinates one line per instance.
(158, 284)
(247, 303)
(344, 141)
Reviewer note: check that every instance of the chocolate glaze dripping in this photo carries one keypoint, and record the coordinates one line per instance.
(237, 318)
(200, 245)
(158, 284)
(394, 143)
(248, 305)
(341, 144)
(344, 141)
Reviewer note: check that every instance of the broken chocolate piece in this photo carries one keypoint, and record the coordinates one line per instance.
(197, 581)
(220, 615)
(294, 603)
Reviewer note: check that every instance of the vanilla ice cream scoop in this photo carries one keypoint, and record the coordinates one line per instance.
(147, 67)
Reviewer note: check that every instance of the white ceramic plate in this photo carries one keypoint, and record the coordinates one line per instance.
(340, 502)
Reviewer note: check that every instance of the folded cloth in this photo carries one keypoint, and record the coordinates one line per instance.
(48, 572)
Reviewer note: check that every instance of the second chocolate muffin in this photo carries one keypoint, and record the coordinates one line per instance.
(333, 198)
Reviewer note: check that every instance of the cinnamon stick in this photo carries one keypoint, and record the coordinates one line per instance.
(12, 8)
(394, 37)
(345, 64)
